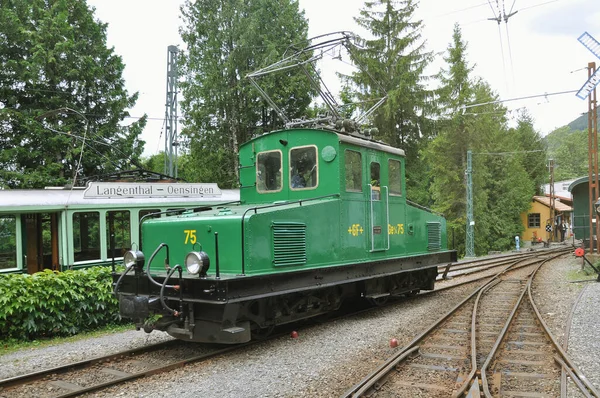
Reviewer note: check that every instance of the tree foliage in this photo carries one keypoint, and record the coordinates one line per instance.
(61, 92)
(508, 164)
(392, 63)
(569, 149)
(226, 40)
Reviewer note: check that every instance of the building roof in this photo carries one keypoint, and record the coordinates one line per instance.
(580, 180)
(559, 206)
(59, 199)
(561, 188)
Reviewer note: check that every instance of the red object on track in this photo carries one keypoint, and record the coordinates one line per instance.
(294, 335)
(393, 343)
(579, 252)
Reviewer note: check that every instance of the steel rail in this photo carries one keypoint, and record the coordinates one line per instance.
(580, 380)
(380, 372)
(564, 356)
(565, 343)
(371, 379)
(29, 377)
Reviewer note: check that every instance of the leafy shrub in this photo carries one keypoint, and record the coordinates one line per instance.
(51, 303)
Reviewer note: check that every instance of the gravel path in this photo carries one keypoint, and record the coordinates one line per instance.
(326, 360)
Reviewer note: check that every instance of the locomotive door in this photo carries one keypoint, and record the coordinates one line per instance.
(378, 208)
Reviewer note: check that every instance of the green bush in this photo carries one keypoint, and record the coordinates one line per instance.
(51, 303)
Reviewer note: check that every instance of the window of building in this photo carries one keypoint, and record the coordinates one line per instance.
(86, 236)
(303, 167)
(395, 177)
(8, 242)
(118, 223)
(353, 171)
(268, 171)
(533, 220)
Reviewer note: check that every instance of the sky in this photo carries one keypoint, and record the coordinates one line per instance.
(535, 53)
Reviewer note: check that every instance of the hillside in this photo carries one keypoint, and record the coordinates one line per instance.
(581, 123)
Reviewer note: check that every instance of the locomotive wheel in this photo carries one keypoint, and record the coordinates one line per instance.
(378, 301)
(259, 333)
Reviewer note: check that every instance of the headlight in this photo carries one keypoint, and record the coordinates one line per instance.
(197, 262)
(134, 257)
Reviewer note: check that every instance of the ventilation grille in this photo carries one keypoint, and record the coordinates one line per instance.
(289, 244)
(434, 236)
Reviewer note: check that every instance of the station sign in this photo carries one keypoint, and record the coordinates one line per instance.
(97, 190)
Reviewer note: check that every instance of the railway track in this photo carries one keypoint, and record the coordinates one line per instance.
(98, 373)
(94, 374)
(494, 344)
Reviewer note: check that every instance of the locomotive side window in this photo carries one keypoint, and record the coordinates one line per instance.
(268, 171)
(118, 223)
(395, 177)
(303, 167)
(86, 236)
(353, 171)
(8, 242)
(375, 181)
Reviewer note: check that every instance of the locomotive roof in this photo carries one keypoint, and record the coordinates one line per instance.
(57, 199)
(342, 137)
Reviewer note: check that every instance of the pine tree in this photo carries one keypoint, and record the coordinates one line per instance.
(226, 40)
(446, 154)
(392, 63)
(61, 92)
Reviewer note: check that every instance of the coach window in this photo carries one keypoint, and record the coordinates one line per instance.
(174, 212)
(8, 242)
(268, 171)
(353, 165)
(118, 223)
(303, 167)
(86, 236)
(145, 214)
(395, 177)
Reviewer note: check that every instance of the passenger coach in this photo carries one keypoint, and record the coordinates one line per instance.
(59, 229)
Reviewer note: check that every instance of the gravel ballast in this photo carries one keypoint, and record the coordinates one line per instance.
(326, 360)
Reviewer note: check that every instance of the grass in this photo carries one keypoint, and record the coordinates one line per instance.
(585, 274)
(12, 345)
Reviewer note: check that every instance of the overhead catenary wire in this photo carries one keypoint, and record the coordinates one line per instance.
(517, 99)
(507, 153)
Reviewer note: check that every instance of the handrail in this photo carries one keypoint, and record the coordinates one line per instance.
(424, 208)
(371, 218)
(387, 205)
(255, 209)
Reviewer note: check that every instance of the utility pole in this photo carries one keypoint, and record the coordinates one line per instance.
(171, 142)
(593, 161)
(470, 240)
(588, 90)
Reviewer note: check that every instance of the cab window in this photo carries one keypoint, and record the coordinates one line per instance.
(353, 167)
(303, 168)
(375, 181)
(268, 171)
(395, 177)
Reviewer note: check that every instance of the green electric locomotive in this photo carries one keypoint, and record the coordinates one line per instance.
(322, 217)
